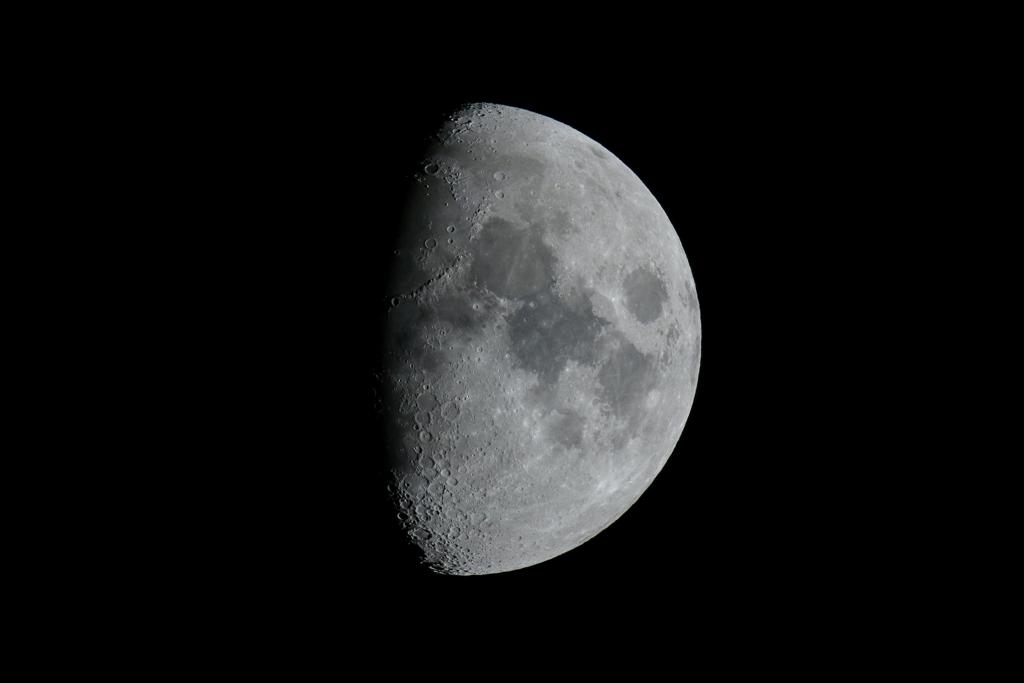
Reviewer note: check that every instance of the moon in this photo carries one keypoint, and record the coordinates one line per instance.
(541, 343)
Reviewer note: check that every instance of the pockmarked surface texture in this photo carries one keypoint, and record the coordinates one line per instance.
(542, 343)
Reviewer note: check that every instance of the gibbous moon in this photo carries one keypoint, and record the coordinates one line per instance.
(541, 346)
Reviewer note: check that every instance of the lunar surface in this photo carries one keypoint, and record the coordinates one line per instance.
(542, 343)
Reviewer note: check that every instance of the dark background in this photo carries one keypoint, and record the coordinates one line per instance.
(231, 189)
(231, 185)
(747, 505)
(760, 507)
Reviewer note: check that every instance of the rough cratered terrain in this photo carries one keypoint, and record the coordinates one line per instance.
(542, 344)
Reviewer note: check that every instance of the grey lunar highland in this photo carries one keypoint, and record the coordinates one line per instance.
(542, 344)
